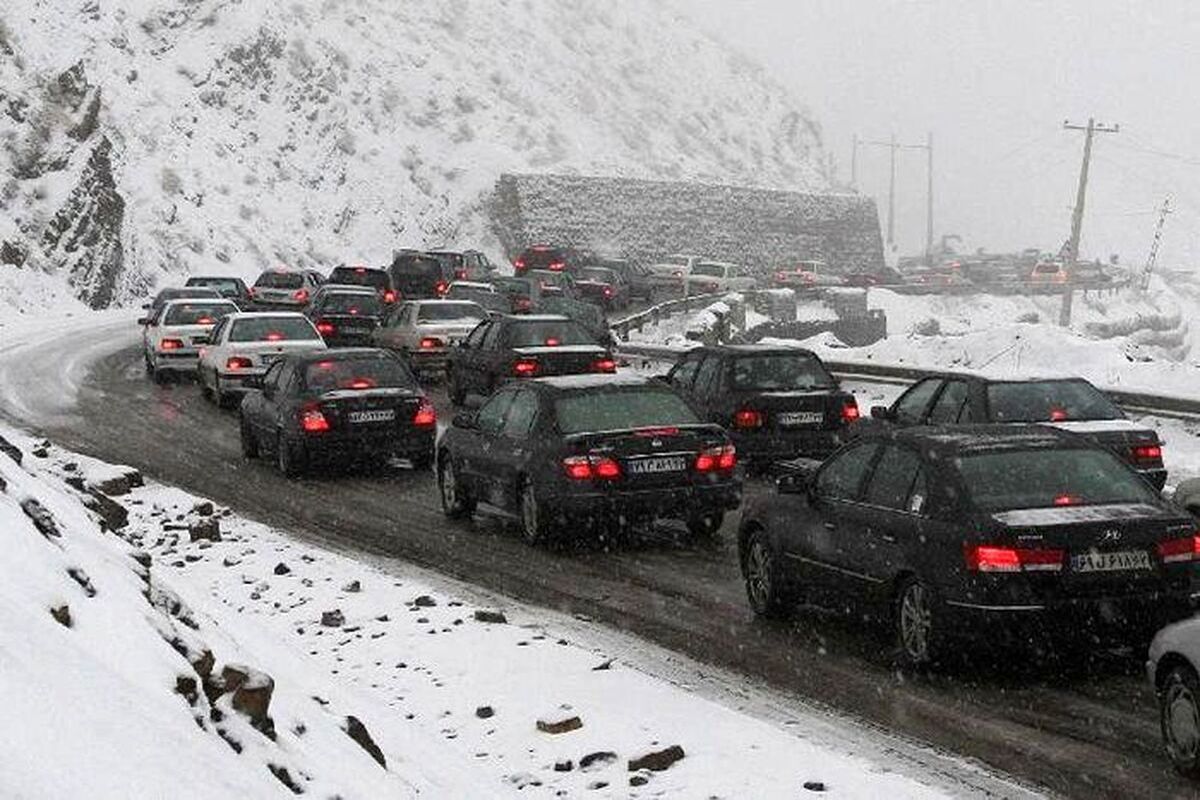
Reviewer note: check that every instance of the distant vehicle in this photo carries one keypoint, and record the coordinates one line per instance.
(346, 316)
(778, 403)
(1071, 404)
(485, 294)
(805, 275)
(285, 289)
(882, 276)
(516, 347)
(234, 289)
(529, 294)
(348, 405)
(420, 275)
(373, 277)
(708, 277)
(588, 453)
(554, 284)
(243, 345)
(642, 283)
(603, 286)
(522, 293)
(424, 331)
(669, 276)
(1172, 667)
(177, 293)
(991, 534)
(547, 257)
(466, 265)
(174, 334)
(1050, 272)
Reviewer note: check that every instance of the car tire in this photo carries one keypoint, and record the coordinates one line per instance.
(456, 504)
(705, 526)
(534, 526)
(289, 458)
(1179, 718)
(918, 639)
(249, 442)
(766, 586)
(159, 376)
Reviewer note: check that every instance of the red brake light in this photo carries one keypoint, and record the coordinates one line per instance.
(608, 292)
(519, 264)
(360, 270)
(1067, 500)
(713, 459)
(441, 287)
(992, 558)
(251, 291)
(312, 420)
(429, 343)
(552, 341)
(583, 468)
(170, 344)
(426, 415)
(522, 304)
(1174, 551)
(325, 328)
(850, 411)
(275, 336)
(301, 295)
(389, 296)
(1058, 415)
(354, 311)
(238, 362)
(604, 365)
(606, 469)
(525, 367)
(362, 383)
(460, 274)
(205, 321)
(746, 418)
(1147, 452)
(556, 266)
(648, 432)
(781, 275)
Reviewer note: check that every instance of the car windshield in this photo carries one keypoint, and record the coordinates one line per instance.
(1049, 401)
(197, 313)
(451, 260)
(441, 312)
(273, 329)
(359, 276)
(226, 286)
(711, 270)
(622, 409)
(371, 372)
(543, 333)
(367, 305)
(1018, 479)
(280, 280)
(777, 372)
(597, 274)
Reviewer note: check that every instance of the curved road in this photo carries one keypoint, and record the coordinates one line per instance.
(1090, 733)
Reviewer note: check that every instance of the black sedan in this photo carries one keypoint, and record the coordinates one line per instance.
(778, 403)
(351, 405)
(1071, 404)
(507, 348)
(1010, 534)
(589, 452)
(603, 287)
(346, 316)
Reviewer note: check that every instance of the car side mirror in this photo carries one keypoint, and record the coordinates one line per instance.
(882, 412)
(143, 321)
(467, 420)
(792, 484)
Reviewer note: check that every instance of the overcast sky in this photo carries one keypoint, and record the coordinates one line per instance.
(994, 81)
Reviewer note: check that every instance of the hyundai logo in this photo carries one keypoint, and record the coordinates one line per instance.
(1112, 535)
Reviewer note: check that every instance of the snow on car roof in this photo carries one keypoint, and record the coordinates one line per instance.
(346, 288)
(446, 301)
(266, 314)
(538, 317)
(210, 301)
(595, 381)
(474, 285)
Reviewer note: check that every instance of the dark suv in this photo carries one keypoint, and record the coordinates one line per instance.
(372, 277)
(544, 256)
(419, 276)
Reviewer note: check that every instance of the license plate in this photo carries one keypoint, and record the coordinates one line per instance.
(1111, 562)
(801, 418)
(655, 466)
(268, 360)
(384, 415)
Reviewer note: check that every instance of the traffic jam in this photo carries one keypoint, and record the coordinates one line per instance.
(972, 514)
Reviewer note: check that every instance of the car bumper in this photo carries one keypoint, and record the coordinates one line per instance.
(400, 442)
(364, 339)
(429, 360)
(177, 361)
(656, 503)
(234, 383)
(767, 446)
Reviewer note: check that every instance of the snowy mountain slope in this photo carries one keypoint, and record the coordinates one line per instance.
(247, 134)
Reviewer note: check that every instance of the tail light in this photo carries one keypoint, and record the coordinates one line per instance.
(1067, 499)
(1174, 551)
(426, 415)
(441, 287)
(553, 341)
(1058, 415)
(678, 273)
(251, 292)
(608, 292)
(604, 365)
(325, 328)
(992, 558)
(781, 276)
(389, 296)
(460, 274)
(238, 362)
(748, 418)
(206, 321)
(716, 459)
(170, 344)
(275, 336)
(1147, 454)
(525, 367)
(519, 264)
(430, 343)
(522, 304)
(710, 287)
(360, 270)
(300, 295)
(312, 420)
(557, 266)
(586, 468)
(850, 412)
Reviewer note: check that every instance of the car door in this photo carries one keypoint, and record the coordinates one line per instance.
(492, 358)
(706, 390)
(910, 408)
(260, 407)
(949, 405)
(481, 446)
(467, 358)
(891, 521)
(513, 451)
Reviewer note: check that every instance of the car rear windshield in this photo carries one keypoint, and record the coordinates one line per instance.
(226, 286)
(711, 270)
(541, 257)
(1017, 479)
(424, 266)
(367, 305)
(441, 312)
(780, 372)
(451, 260)
(273, 329)
(1048, 401)
(197, 313)
(540, 333)
(597, 274)
(280, 280)
(372, 372)
(359, 276)
(621, 409)
(198, 292)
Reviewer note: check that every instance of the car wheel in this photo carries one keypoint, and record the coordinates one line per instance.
(533, 517)
(765, 584)
(288, 457)
(705, 526)
(1180, 719)
(455, 502)
(249, 443)
(917, 636)
(159, 376)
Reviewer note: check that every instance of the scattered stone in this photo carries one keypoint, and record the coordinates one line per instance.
(382, 618)
(281, 773)
(563, 724)
(597, 784)
(282, 569)
(75, 482)
(113, 515)
(208, 528)
(358, 732)
(424, 601)
(352, 586)
(41, 452)
(41, 518)
(523, 779)
(142, 557)
(192, 558)
(203, 509)
(490, 617)
(11, 450)
(333, 619)
(638, 780)
(604, 666)
(252, 692)
(122, 484)
(814, 786)
(485, 712)
(598, 759)
(203, 662)
(565, 765)
(70, 466)
(657, 760)
(231, 561)
(186, 685)
(79, 576)
(62, 615)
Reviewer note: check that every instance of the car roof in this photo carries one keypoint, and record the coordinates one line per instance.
(754, 349)
(346, 288)
(564, 383)
(441, 301)
(473, 285)
(183, 301)
(340, 354)
(537, 318)
(197, 292)
(214, 278)
(951, 441)
(360, 268)
(266, 315)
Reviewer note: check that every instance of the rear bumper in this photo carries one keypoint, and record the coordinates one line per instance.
(349, 339)
(176, 361)
(400, 442)
(776, 445)
(233, 383)
(657, 503)
(431, 360)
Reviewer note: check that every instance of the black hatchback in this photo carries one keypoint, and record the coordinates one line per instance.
(346, 316)
(589, 452)
(355, 405)
(418, 276)
(1009, 534)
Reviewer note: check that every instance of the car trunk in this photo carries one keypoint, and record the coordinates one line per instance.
(449, 332)
(561, 360)
(1122, 437)
(348, 327)
(805, 410)
(264, 354)
(192, 336)
(370, 412)
(652, 457)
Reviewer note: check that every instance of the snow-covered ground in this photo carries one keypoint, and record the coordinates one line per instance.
(118, 679)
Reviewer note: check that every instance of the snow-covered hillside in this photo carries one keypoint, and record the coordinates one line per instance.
(156, 138)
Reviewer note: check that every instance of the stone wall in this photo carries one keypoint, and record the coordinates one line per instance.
(761, 228)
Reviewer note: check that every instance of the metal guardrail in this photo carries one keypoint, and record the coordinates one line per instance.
(656, 313)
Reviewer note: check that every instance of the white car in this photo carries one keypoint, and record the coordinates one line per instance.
(670, 274)
(173, 335)
(285, 289)
(805, 275)
(709, 277)
(244, 345)
(1173, 668)
(423, 331)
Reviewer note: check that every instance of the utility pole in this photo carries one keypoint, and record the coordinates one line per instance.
(1152, 259)
(893, 146)
(854, 163)
(1072, 254)
(929, 199)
